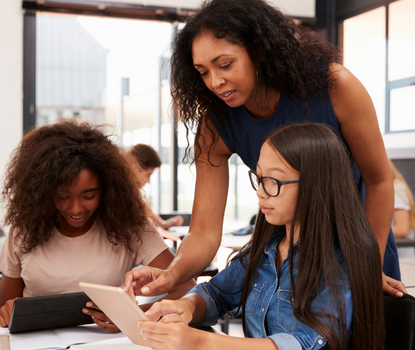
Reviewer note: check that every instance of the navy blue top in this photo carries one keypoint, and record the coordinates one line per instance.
(243, 134)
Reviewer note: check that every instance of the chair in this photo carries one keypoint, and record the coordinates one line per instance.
(399, 322)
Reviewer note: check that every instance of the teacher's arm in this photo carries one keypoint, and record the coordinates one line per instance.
(199, 247)
(360, 128)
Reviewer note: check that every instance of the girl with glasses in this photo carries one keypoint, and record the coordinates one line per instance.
(310, 278)
(240, 68)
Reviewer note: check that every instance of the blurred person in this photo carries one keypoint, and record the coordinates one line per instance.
(149, 161)
(403, 225)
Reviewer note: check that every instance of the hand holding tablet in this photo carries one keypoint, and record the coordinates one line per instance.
(119, 307)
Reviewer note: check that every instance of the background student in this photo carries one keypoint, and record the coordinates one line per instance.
(311, 276)
(76, 214)
(240, 68)
(149, 160)
(404, 213)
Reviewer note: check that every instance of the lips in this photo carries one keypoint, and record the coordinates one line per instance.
(226, 95)
(77, 218)
(265, 210)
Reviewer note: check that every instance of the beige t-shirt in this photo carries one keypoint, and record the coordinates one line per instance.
(61, 263)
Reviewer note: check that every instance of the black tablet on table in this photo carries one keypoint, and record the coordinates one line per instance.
(49, 311)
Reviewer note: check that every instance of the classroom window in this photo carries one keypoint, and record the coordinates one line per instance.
(379, 49)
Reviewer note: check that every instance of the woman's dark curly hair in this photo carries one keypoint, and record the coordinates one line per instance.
(289, 58)
(49, 158)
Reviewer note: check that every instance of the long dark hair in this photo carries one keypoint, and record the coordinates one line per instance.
(329, 213)
(289, 58)
(50, 157)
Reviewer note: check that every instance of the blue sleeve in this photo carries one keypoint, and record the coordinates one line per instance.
(222, 293)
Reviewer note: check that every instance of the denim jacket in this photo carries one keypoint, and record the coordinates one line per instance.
(268, 309)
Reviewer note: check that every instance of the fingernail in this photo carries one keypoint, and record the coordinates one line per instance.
(399, 294)
(145, 290)
(85, 311)
(89, 303)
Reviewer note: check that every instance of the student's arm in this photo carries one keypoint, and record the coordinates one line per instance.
(401, 227)
(199, 247)
(173, 333)
(10, 289)
(359, 126)
(165, 224)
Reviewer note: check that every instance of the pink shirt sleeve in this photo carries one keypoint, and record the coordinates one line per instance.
(10, 264)
(152, 245)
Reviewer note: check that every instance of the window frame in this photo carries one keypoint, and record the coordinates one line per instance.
(390, 85)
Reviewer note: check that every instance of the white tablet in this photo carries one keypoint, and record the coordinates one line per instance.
(119, 307)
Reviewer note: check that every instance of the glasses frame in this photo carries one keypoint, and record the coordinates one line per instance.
(260, 179)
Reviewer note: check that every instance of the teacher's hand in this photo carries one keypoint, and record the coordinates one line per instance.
(148, 281)
(393, 287)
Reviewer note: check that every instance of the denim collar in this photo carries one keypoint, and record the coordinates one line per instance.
(277, 237)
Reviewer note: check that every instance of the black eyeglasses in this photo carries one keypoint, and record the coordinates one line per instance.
(270, 185)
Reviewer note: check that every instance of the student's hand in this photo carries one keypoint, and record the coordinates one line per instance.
(170, 333)
(161, 309)
(99, 317)
(148, 281)
(6, 312)
(393, 287)
(173, 221)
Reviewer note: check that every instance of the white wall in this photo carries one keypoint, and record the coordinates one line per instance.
(11, 79)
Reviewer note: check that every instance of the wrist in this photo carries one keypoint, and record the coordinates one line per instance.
(198, 339)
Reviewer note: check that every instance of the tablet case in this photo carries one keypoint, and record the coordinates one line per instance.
(49, 311)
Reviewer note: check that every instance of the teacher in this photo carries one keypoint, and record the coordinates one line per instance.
(240, 68)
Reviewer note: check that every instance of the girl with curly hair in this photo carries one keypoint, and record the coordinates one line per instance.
(240, 68)
(311, 276)
(76, 214)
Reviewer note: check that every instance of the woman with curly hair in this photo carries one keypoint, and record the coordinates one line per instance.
(240, 68)
(76, 214)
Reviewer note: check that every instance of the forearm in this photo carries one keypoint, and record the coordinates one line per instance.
(196, 251)
(210, 341)
(402, 225)
(399, 233)
(379, 199)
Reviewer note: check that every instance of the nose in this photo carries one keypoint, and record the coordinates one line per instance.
(217, 80)
(260, 191)
(75, 207)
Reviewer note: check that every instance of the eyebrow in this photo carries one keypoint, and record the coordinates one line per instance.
(213, 60)
(91, 190)
(272, 169)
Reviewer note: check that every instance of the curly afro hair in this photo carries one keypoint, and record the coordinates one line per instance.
(50, 157)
